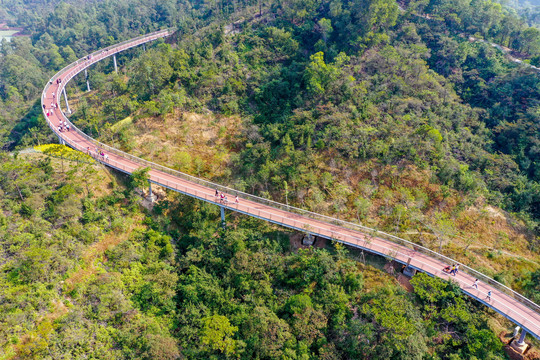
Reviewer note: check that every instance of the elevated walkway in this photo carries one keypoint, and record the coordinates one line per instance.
(504, 300)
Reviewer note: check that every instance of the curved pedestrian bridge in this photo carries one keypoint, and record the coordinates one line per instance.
(505, 301)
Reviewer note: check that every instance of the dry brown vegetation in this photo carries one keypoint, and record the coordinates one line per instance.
(188, 142)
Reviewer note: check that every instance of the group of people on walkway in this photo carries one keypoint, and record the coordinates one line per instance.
(63, 125)
(454, 270)
(475, 285)
(50, 111)
(58, 81)
(100, 154)
(223, 199)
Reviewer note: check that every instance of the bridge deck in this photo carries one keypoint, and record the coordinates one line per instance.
(505, 301)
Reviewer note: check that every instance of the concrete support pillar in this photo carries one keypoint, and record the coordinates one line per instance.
(66, 100)
(308, 239)
(87, 82)
(151, 197)
(520, 345)
(521, 340)
(409, 271)
(115, 64)
(222, 216)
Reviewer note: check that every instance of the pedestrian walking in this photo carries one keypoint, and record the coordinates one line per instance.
(453, 271)
(475, 284)
(217, 193)
(456, 270)
(106, 157)
(67, 127)
(225, 201)
(488, 297)
(236, 199)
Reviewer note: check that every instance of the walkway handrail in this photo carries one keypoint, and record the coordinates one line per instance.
(71, 70)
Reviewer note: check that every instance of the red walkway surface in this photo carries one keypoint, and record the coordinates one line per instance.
(508, 303)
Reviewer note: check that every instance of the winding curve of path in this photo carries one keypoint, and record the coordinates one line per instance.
(510, 304)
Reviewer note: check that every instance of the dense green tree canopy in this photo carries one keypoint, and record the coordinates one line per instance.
(338, 100)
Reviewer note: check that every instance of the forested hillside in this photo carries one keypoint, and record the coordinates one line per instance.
(408, 129)
(86, 273)
(367, 110)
